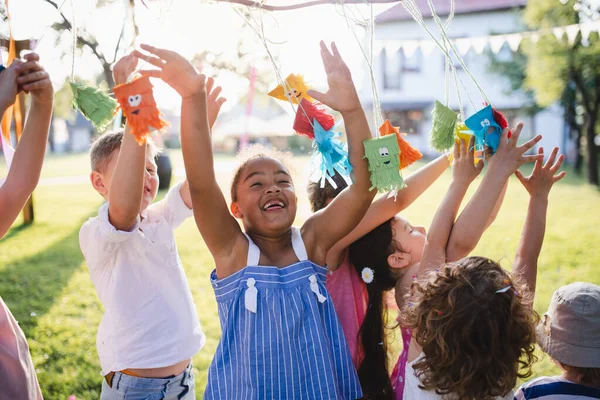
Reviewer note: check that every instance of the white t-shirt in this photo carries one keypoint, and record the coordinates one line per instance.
(413, 392)
(555, 388)
(150, 320)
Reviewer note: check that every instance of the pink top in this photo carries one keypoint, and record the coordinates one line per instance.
(349, 295)
(399, 372)
(17, 375)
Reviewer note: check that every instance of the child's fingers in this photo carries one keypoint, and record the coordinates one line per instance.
(162, 53)
(336, 52)
(528, 159)
(43, 84)
(215, 93)
(514, 138)
(527, 146)
(320, 97)
(210, 82)
(557, 164)
(479, 166)
(463, 148)
(29, 66)
(504, 140)
(520, 177)
(157, 62)
(32, 56)
(153, 73)
(456, 150)
(32, 77)
(538, 163)
(326, 57)
(552, 158)
(558, 177)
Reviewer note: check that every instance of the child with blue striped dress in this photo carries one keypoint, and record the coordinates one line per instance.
(281, 338)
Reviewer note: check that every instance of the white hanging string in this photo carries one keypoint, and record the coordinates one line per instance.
(412, 8)
(74, 32)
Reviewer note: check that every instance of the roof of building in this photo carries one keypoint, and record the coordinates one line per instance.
(442, 7)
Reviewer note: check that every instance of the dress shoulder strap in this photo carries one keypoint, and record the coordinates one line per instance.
(253, 252)
(298, 244)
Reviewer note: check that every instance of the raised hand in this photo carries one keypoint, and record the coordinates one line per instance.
(214, 102)
(35, 80)
(509, 157)
(463, 167)
(543, 177)
(124, 68)
(341, 95)
(174, 69)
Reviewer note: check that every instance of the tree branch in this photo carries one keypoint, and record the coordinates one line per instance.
(260, 4)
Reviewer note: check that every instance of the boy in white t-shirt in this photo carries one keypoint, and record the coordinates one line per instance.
(150, 329)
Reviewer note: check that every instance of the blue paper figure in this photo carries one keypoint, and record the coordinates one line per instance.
(480, 123)
(330, 155)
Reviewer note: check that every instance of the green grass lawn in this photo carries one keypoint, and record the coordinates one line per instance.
(44, 280)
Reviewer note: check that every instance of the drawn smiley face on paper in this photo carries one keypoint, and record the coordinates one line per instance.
(293, 89)
(134, 102)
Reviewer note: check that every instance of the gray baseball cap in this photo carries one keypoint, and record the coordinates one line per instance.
(570, 329)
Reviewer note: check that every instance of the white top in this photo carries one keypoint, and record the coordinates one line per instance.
(412, 390)
(555, 388)
(150, 320)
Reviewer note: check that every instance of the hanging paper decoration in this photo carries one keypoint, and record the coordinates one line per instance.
(501, 120)
(330, 155)
(95, 105)
(408, 154)
(487, 131)
(308, 112)
(137, 101)
(441, 137)
(295, 90)
(383, 154)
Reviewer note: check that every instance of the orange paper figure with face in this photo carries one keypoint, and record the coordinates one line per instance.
(137, 101)
(294, 89)
(408, 154)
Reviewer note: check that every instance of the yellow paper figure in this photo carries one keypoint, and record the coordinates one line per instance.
(294, 91)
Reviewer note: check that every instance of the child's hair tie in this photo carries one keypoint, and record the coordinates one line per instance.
(367, 275)
(506, 288)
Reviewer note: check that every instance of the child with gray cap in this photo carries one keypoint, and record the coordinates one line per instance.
(570, 334)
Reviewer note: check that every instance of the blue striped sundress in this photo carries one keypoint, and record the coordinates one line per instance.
(281, 338)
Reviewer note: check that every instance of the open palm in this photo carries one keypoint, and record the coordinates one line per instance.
(341, 95)
(174, 70)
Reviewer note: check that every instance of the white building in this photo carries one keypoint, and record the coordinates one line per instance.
(410, 71)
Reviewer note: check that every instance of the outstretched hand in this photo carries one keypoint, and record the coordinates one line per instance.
(543, 177)
(341, 95)
(509, 157)
(214, 102)
(463, 167)
(124, 68)
(173, 69)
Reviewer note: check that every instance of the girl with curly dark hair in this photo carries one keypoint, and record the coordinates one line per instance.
(473, 323)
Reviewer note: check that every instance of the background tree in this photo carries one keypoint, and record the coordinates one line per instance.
(570, 73)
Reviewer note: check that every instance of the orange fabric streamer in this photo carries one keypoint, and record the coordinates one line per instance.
(408, 154)
(138, 105)
(14, 110)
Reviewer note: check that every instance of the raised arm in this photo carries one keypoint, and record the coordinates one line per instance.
(473, 220)
(26, 166)
(538, 184)
(217, 226)
(385, 208)
(127, 183)
(464, 171)
(214, 104)
(351, 205)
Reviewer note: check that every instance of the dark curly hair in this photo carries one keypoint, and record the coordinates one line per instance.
(476, 342)
(372, 251)
(318, 196)
(255, 152)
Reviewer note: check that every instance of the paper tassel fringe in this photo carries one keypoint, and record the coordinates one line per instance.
(330, 155)
(95, 105)
(383, 154)
(308, 112)
(441, 137)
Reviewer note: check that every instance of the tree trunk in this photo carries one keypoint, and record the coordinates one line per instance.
(592, 150)
(108, 75)
(578, 157)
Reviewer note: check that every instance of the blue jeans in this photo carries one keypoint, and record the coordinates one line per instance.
(126, 387)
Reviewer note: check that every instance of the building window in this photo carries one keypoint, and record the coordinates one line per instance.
(391, 70)
(412, 63)
(407, 120)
